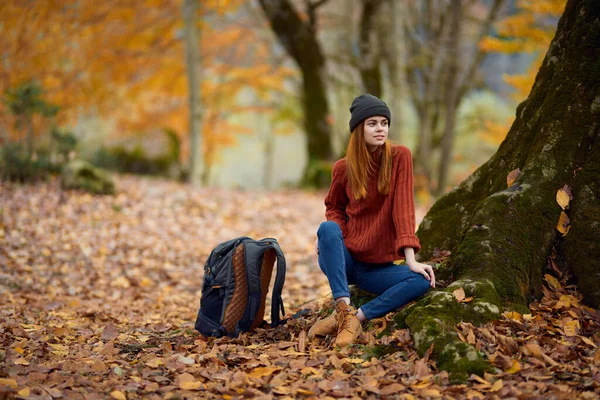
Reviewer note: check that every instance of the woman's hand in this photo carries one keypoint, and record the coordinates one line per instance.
(317, 246)
(423, 269)
(419, 268)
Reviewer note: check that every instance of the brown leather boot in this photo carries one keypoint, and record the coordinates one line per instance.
(324, 326)
(349, 327)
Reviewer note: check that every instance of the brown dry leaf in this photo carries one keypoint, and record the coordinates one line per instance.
(392, 389)
(562, 198)
(497, 386)
(302, 339)
(588, 341)
(512, 177)
(109, 333)
(474, 394)
(563, 225)
(187, 382)
(471, 337)
(430, 393)
(21, 361)
(459, 294)
(118, 395)
(534, 349)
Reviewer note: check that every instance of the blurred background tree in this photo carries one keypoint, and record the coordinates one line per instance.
(265, 87)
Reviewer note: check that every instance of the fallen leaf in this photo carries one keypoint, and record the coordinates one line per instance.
(571, 328)
(459, 294)
(118, 395)
(512, 176)
(392, 389)
(562, 198)
(588, 341)
(187, 382)
(563, 225)
(302, 339)
(552, 281)
(497, 386)
(25, 392)
(21, 361)
(262, 372)
(516, 367)
(9, 382)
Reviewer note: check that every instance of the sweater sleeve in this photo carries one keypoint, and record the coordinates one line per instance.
(404, 207)
(336, 199)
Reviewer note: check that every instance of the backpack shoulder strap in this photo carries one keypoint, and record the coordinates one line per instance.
(276, 300)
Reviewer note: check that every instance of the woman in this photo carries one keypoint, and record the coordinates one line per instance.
(370, 224)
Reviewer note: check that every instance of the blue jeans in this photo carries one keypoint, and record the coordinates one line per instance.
(395, 285)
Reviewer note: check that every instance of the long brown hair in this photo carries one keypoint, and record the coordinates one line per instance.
(359, 165)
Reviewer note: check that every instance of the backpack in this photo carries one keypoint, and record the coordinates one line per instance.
(237, 274)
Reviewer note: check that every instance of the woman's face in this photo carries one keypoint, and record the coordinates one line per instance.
(376, 132)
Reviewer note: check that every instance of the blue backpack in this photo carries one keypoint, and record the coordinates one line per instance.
(237, 275)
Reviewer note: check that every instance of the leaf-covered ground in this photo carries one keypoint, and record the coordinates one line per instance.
(98, 297)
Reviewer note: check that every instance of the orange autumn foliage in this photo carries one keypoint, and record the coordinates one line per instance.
(124, 60)
(528, 31)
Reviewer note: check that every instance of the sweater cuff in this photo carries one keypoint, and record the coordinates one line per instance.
(407, 241)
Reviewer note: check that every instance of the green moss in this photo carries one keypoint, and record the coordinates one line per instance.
(359, 297)
(380, 351)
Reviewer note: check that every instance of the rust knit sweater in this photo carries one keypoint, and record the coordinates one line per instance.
(378, 227)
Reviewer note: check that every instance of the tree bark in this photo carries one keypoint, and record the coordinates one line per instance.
(501, 237)
(193, 64)
(30, 135)
(395, 56)
(299, 39)
(370, 57)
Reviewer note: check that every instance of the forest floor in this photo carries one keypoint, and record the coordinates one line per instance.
(99, 294)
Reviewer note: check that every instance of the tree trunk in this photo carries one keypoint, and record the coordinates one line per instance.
(30, 135)
(451, 96)
(369, 58)
(193, 65)
(501, 237)
(395, 55)
(299, 39)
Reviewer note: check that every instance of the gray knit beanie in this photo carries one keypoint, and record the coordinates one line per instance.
(366, 106)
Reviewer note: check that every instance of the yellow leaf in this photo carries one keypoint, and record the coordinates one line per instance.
(516, 367)
(355, 360)
(58, 347)
(8, 382)
(190, 385)
(571, 328)
(497, 386)
(118, 395)
(459, 294)
(262, 371)
(25, 392)
(512, 315)
(552, 281)
(188, 382)
(21, 361)
(562, 198)
(563, 225)
(19, 350)
(512, 176)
